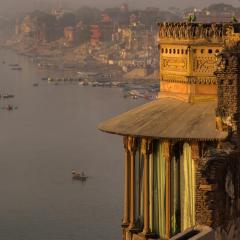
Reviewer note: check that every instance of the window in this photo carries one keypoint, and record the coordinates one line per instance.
(210, 51)
(202, 51)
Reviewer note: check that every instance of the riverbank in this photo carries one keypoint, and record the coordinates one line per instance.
(76, 64)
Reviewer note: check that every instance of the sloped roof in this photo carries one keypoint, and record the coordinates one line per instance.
(167, 118)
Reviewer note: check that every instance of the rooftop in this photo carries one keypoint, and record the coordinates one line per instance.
(167, 118)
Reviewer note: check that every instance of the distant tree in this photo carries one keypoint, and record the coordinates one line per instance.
(42, 17)
(192, 18)
(88, 15)
(84, 35)
(234, 19)
(68, 19)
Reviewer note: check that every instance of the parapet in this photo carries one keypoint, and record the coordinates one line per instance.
(186, 31)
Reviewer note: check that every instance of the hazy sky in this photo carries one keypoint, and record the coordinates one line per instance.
(11, 6)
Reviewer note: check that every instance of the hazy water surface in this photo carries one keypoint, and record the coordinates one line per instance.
(52, 132)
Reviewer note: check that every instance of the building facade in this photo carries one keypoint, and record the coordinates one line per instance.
(182, 150)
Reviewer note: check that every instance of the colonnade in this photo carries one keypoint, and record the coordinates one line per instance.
(130, 223)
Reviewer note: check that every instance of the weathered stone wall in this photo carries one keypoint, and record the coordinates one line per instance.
(228, 80)
(218, 186)
(218, 169)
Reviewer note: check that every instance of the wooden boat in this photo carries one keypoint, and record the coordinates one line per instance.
(79, 176)
(16, 68)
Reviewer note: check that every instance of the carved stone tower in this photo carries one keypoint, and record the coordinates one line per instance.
(188, 58)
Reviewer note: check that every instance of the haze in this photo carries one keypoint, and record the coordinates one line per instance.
(10, 7)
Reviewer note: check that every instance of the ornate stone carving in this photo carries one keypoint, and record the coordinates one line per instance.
(204, 64)
(187, 30)
(189, 80)
(174, 64)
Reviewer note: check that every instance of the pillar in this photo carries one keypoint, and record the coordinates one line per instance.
(168, 186)
(132, 148)
(126, 185)
(145, 151)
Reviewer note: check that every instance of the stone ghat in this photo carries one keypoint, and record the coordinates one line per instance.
(186, 30)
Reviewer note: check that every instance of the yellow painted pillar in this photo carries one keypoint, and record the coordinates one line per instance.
(126, 185)
(132, 147)
(168, 179)
(145, 147)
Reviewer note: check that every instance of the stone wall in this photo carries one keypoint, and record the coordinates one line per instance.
(218, 169)
(228, 81)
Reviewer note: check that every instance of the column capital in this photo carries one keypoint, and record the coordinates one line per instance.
(132, 144)
(146, 146)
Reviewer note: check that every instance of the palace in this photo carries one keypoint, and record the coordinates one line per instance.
(182, 171)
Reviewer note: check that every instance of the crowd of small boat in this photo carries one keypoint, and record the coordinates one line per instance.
(132, 90)
(13, 66)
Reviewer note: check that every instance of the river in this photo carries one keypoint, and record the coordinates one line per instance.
(52, 132)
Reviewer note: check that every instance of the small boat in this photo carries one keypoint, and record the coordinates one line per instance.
(9, 107)
(3, 62)
(35, 84)
(14, 65)
(8, 96)
(44, 78)
(79, 176)
(17, 68)
(83, 83)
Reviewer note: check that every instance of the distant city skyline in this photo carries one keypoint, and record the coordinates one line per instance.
(18, 6)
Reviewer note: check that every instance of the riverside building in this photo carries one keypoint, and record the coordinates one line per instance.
(182, 171)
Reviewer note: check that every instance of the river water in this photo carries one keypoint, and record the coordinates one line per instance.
(52, 132)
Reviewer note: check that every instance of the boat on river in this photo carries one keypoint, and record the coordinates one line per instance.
(79, 176)
(7, 96)
(17, 68)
